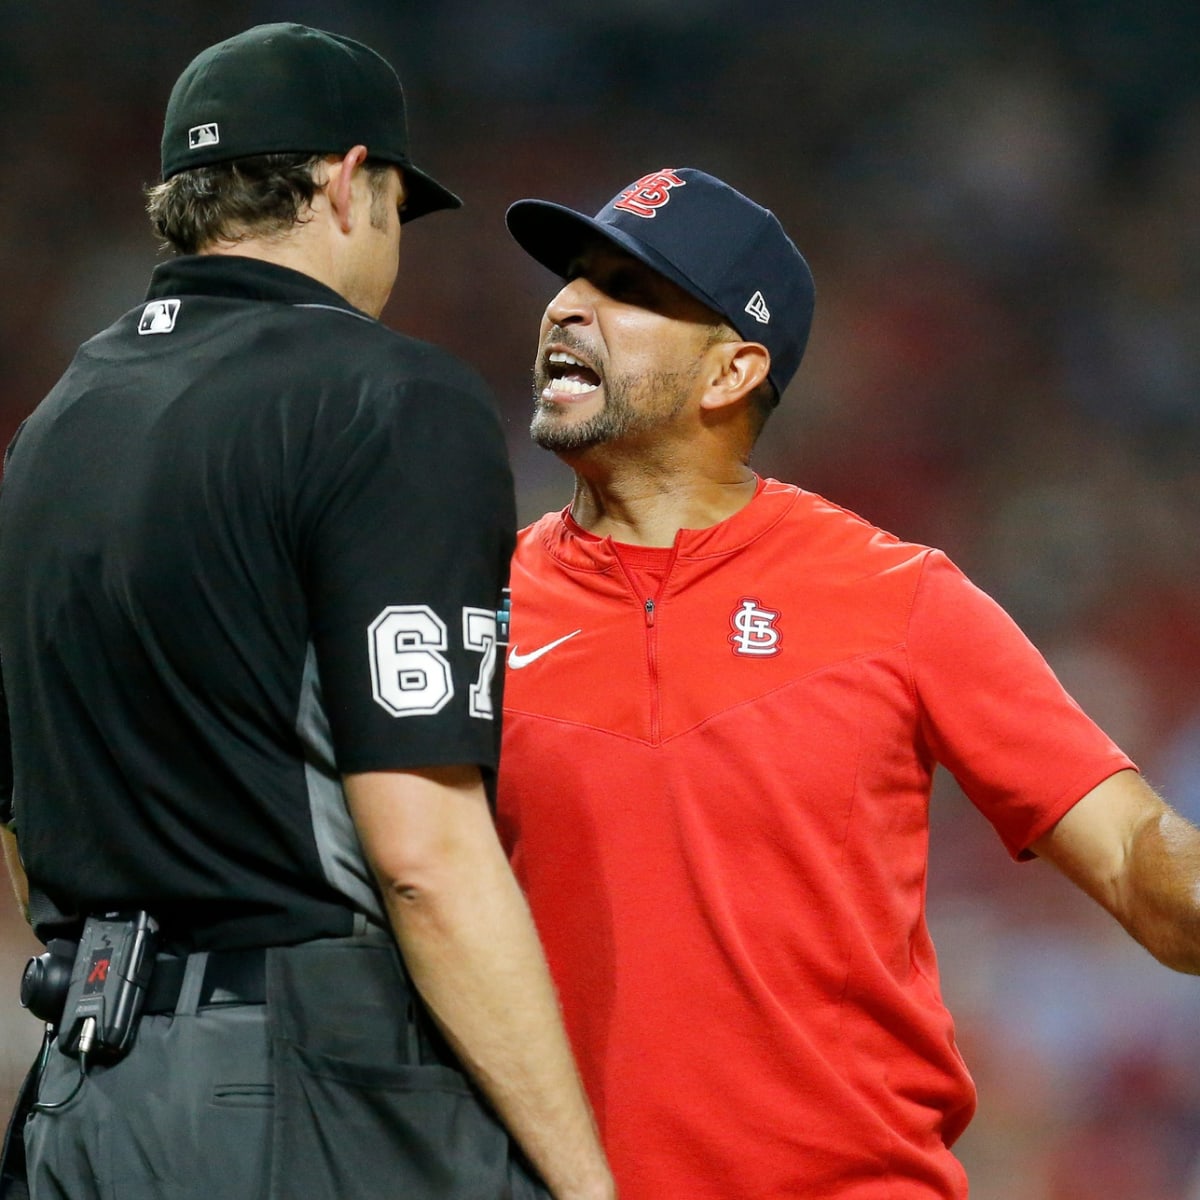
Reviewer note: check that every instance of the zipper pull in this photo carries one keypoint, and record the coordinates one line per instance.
(649, 606)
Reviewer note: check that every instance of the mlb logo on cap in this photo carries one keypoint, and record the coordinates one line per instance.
(203, 135)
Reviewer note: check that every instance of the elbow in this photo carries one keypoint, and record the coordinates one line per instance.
(419, 904)
(423, 885)
(1161, 892)
(1173, 942)
(413, 882)
(1184, 959)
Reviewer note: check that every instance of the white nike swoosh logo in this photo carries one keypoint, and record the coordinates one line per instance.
(517, 660)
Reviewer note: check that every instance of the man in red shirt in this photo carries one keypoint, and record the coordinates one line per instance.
(725, 701)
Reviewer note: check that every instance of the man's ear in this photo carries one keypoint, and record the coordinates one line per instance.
(739, 367)
(339, 186)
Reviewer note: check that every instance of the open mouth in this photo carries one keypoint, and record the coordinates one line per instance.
(570, 375)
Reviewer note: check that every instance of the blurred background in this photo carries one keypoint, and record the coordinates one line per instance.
(999, 202)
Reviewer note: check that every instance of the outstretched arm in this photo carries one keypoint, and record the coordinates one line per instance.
(1133, 854)
(471, 948)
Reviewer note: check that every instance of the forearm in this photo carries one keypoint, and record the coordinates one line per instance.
(474, 955)
(471, 948)
(15, 870)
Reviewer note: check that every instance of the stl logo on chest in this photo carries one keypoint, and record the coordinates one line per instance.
(754, 633)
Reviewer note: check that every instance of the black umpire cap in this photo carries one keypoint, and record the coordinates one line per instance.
(289, 89)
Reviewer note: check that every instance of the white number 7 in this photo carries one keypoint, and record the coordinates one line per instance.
(479, 634)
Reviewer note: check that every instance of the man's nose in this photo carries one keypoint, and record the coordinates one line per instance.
(574, 304)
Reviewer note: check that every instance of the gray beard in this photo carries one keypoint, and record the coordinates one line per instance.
(619, 418)
(611, 422)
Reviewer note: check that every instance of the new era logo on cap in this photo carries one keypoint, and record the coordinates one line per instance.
(757, 308)
(203, 135)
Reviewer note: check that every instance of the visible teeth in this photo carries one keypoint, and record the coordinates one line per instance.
(571, 385)
(561, 356)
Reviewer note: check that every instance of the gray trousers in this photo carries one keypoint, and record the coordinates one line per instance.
(185, 1116)
(331, 1090)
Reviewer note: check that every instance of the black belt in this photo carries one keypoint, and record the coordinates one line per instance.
(240, 977)
(230, 977)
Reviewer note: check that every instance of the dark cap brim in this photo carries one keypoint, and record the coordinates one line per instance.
(556, 235)
(423, 194)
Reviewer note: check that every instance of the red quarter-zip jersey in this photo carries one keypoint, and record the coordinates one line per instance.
(716, 798)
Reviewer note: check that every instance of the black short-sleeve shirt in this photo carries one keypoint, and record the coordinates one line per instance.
(253, 540)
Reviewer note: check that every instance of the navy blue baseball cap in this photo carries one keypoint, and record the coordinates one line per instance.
(287, 88)
(719, 246)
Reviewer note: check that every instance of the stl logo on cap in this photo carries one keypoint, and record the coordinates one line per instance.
(650, 193)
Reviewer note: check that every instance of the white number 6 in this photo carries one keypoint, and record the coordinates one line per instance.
(409, 675)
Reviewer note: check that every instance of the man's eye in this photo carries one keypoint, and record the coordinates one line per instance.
(625, 285)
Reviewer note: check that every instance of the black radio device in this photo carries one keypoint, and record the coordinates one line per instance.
(108, 985)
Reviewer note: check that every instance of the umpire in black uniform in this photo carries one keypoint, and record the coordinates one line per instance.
(252, 547)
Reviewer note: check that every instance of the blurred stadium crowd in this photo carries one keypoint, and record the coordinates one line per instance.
(999, 202)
